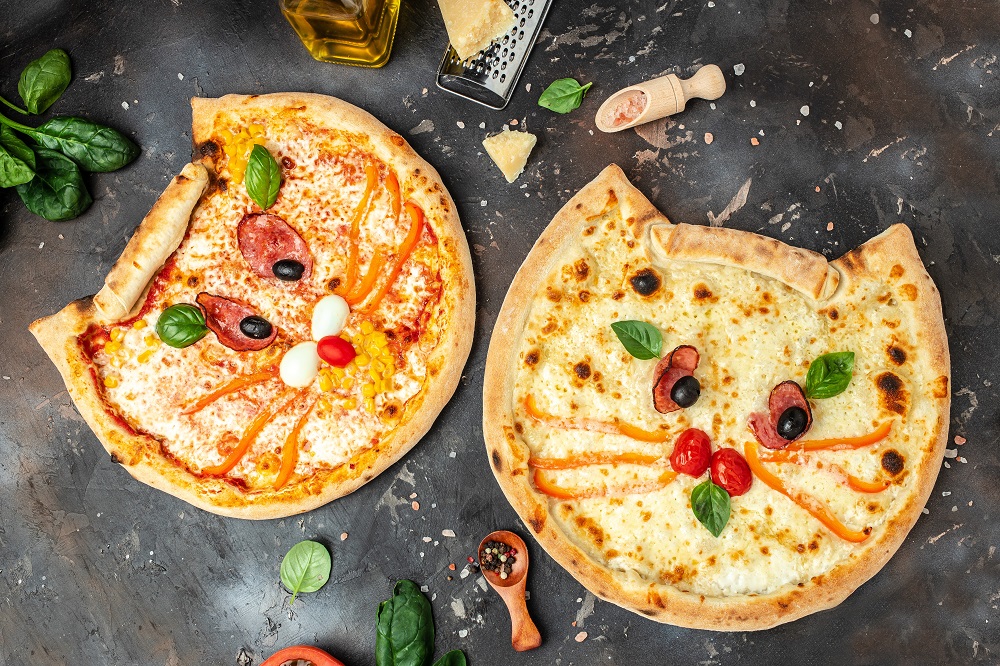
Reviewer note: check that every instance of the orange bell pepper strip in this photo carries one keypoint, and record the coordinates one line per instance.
(844, 443)
(633, 432)
(593, 458)
(807, 502)
(851, 481)
(231, 386)
(546, 487)
(262, 419)
(371, 173)
(290, 450)
(392, 184)
(416, 226)
(365, 286)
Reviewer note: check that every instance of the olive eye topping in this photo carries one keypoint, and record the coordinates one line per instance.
(256, 327)
(792, 423)
(288, 270)
(685, 391)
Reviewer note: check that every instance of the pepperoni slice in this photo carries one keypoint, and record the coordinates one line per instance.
(681, 362)
(223, 317)
(765, 426)
(266, 239)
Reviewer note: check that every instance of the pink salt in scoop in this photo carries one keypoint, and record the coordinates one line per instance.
(655, 99)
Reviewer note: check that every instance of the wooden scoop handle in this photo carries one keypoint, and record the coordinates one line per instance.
(707, 83)
(523, 632)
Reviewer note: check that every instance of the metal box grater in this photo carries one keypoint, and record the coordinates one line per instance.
(490, 77)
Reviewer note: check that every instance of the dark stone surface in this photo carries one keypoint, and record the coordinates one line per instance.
(96, 568)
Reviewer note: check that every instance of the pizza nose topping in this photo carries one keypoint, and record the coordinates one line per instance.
(792, 423)
(266, 240)
(674, 374)
(329, 316)
(300, 365)
(731, 471)
(225, 318)
(686, 391)
(771, 428)
(256, 327)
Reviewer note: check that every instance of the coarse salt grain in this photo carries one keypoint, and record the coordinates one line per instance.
(451, 567)
(946, 493)
(180, 77)
(950, 453)
(343, 536)
(581, 637)
(753, 103)
(125, 105)
(960, 440)
(416, 506)
(738, 69)
(426, 539)
(513, 122)
(709, 138)
(754, 141)
(460, 124)
(829, 226)
(462, 633)
(804, 110)
(448, 533)
(413, 495)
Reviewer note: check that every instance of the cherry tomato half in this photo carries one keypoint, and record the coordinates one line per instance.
(731, 471)
(336, 351)
(692, 453)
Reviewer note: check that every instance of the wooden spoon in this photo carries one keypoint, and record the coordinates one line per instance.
(523, 632)
(652, 100)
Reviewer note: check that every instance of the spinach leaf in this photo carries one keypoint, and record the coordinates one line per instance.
(94, 147)
(306, 568)
(44, 80)
(642, 340)
(263, 177)
(17, 160)
(563, 95)
(710, 504)
(181, 326)
(13, 106)
(829, 375)
(453, 658)
(405, 632)
(57, 192)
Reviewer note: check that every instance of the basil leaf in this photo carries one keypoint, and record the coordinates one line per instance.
(44, 80)
(17, 160)
(263, 177)
(181, 326)
(829, 375)
(640, 339)
(563, 95)
(57, 192)
(710, 504)
(94, 147)
(405, 632)
(453, 658)
(306, 568)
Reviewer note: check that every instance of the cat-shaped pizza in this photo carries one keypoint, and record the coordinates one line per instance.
(710, 427)
(287, 321)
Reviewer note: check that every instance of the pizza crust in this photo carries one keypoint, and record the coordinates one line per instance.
(157, 237)
(813, 277)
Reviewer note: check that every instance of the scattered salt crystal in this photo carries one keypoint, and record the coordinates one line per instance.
(343, 536)
(947, 465)
(424, 588)
(180, 77)
(838, 125)
(436, 542)
(874, 19)
(960, 440)
(946, 493)
(712, 106)
(413, 495)
(581, 637)
(753, 102)
(451, 567)
(954, 508)
(908, 32)
(709, 138)
(711, 4)
(579, 599)
(482, 125)
(483, 203)
(125, 105)
(962, 460)
(738, 69)
(460, 124)
(481, 582)
(804, 110)
(950, 453)
(462, 633)
(513, 122)
(464, 574)
(426, 539)
(434, 505)
(448, 533)
(41, 245)
(817, 188)
(451, 455)
(416, 506)
(754, 141)
(970, 503)
(61, 237)
(925, 511)
(423, 92)
(527, 87)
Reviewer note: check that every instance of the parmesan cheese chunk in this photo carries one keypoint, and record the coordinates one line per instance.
(510, 151)
(473, 24)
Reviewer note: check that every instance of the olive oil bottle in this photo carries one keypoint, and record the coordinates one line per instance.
(350, 32)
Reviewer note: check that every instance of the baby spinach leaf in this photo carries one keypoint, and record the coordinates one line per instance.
(94, 147)
(13, 106)
(710, 504)
(57, 192)
(306, 568)
(17, 160)
(263, 177)
(181, 326)
(829, 375)
(44, 80)
(642, 340)
(453, 658)
(563, 95)
(405, 631)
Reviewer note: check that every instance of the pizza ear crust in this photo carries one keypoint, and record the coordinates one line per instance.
(156, 238)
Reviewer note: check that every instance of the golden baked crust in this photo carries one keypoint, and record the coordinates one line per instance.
(451, 323)
(909, 380)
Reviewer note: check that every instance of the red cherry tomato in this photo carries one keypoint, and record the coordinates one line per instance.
(692, 452)
(336, 351)
(731, 471)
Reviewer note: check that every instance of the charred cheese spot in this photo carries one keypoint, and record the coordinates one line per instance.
(940, 387)
(192, 281)
(597, 535)
(584, 296)
(676, 575)
(333, 284)
(553, 294)
(497, 462)
(582, 370)
(908, 292)
(703, 294)
(223, 184)
(550, 327)
(532, 357)
(645, 282)
(618, 295)
(893, 395)
(896, 354)
(518, 427)
(581, 269)
(208, 148)
(892, 462)
(896, 271)
(589, 231)
(537, 519)
(397, 140)
(833, 314)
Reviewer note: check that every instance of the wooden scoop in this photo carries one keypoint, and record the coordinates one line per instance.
(523, 632)
(658, 98)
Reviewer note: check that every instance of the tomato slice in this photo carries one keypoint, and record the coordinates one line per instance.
(336, 351)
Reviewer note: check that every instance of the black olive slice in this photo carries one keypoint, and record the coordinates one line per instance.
(686, 391)
(256, 327)
(288, 270)
(792, 423)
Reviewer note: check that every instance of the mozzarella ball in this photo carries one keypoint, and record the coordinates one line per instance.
(329, 316)
(300, 365)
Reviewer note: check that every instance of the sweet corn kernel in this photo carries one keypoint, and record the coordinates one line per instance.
(370, 405)
(367, 328)
(350, 403)
(117, 334)
(256, 130)
(386, 385)
(338, 372)
(111, 381)
(368, 390)
(227, 136)
(374, 374)
(151, 340)
(357, 339)
(116, 361)
(378, 366)
(347, 383)
(325, 383)
(380, 338)
(351, 367)
(139, 324)
(113, 347)
(145, 356)
(362, 360)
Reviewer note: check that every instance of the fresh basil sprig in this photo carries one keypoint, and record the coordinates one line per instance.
(829, 375)
(263, 177)
(563, 95)
(710, 504)
(44, 80)
(17, 161)
(306, 568)
(642, 340)
(94, 147)
(57, 191)
(405, 632)
(181, 325)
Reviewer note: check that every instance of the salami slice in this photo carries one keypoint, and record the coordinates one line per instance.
(223, 318)
(266, 239)
(765, 426)
(681, 362)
